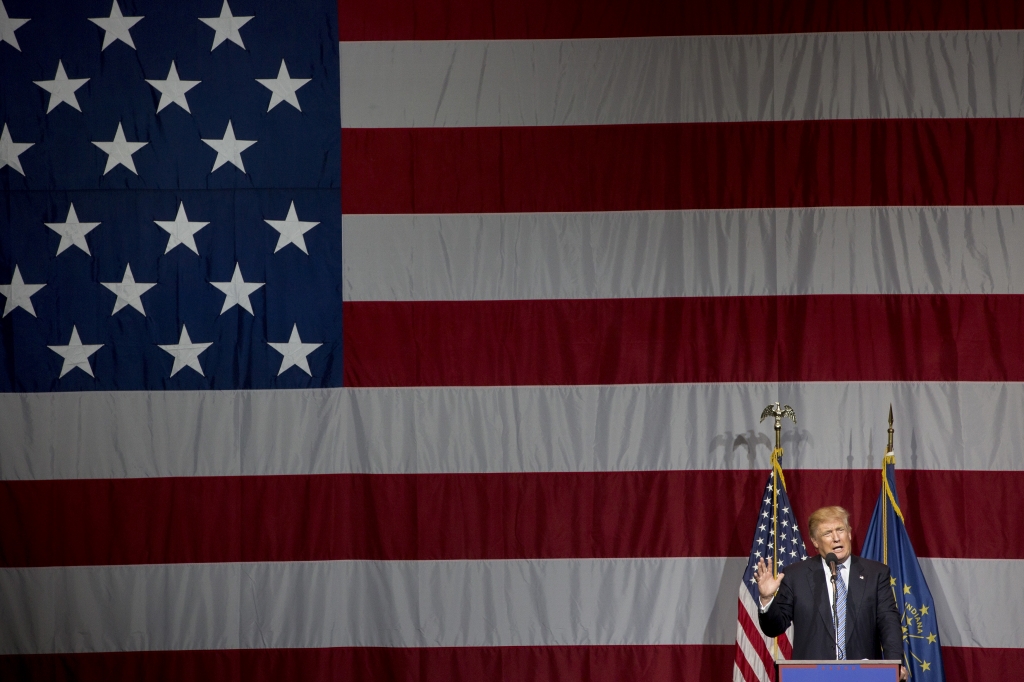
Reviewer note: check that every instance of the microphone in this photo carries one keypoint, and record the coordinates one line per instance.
(833, 561)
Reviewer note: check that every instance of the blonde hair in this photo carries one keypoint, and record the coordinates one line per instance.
(827, 514)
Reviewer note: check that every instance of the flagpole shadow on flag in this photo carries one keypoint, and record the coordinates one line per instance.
(887, 541)
(778, 541)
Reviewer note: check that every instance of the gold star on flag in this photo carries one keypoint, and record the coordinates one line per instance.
(906, 589)
(931, 638)
(925, 666)
(924, 610)
(892, 581)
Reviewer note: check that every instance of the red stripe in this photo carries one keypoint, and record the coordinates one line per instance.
(755, 638)
(683, 166)
(785, 647)
(497, 664)
(127, 521)
(540, 19)
(743, 665)
(723, 339)
(474, 516)
(973, 663)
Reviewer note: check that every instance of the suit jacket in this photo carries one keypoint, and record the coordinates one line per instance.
(872, 622)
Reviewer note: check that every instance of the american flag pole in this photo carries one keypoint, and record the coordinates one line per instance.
(776, 454)
(777, 411)
(775, 520)
(775, 501)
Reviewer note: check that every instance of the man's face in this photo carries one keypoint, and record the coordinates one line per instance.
(833, 535)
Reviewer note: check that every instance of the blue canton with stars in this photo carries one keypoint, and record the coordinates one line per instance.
(171, 178)
(791, 546)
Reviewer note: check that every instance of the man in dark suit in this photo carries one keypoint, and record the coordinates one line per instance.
(869, 621)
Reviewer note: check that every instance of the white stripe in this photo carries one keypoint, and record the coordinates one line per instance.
(978, 600)
(555, 82)
(504, 429)
(120, 608)
(361, 603)
(558, 255)
(945, 74)
(431, 604)
(646, 254)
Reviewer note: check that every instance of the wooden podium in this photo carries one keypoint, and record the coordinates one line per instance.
(839, 671)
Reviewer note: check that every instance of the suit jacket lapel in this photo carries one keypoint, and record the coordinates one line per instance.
(817, 579)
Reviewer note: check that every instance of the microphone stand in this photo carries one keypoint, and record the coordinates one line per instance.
(833, 563)
(835, 608)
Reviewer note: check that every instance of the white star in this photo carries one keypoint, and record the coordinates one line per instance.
(229, 149)
(758, 554)
(62, 89)
(792, 553)
(11, 150)
(294, 352)
(172, 89)
(764, 514)
(226, 27)
(291, 230)
(8, 26)
(75, 354)
(128, 291)
(181, 231)
(785, 510)
(116, 27)
(186, 353)
(72, 232)
(237, 291)
(760, 541)
(785, 522)
(19, 294)
(283, 87)
(762, 527)
(119, 151)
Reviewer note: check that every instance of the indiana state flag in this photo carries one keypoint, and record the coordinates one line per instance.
(887, 541)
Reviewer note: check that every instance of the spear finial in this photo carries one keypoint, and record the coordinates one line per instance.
(888, 448)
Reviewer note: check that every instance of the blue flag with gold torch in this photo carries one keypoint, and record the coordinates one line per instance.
(887, 541)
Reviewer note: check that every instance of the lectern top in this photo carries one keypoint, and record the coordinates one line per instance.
(839, 671)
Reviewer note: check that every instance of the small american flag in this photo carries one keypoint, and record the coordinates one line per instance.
(777, 540)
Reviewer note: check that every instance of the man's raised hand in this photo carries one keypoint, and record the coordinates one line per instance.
(767, 585)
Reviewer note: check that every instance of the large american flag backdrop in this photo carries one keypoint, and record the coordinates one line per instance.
(446, 364)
